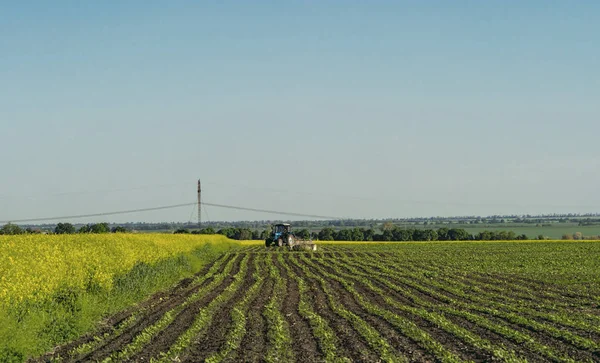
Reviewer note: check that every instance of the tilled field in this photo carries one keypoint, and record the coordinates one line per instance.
(348, 305)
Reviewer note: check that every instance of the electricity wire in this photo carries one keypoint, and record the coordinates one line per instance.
(76, 216)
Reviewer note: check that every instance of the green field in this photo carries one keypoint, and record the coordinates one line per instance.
(552, 231)
(391, 302)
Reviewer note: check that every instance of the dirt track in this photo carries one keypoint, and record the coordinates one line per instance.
(376, 312)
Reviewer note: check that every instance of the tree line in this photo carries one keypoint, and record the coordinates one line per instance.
(389, 232)
(416, 234)
(64, 228)
(358, 234)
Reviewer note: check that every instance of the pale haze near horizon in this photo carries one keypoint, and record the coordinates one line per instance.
(340, 108)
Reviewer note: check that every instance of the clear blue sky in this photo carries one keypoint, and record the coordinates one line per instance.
(351, 108)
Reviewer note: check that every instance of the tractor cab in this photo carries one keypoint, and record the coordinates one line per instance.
(281, 235)
(281, 229)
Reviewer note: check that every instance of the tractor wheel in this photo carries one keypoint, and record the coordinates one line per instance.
(280, 242)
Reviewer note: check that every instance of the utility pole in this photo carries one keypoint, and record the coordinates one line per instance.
(199, 204)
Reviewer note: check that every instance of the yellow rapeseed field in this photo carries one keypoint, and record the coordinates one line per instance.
(32, 267)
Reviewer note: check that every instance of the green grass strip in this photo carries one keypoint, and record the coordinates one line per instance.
(88, 347)
(146, 335)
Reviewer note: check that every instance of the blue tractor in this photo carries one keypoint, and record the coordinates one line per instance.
(281, 235)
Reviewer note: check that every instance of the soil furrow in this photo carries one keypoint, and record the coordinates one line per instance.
(159, 302)
(449, 341)
(127, 336)
(215, 336)
(367, 304)
(506, 297)
(542, 337)
(479, 331)
(530, 295)
(163, 341)
(304, 343)
(254, 344)
(351, 343)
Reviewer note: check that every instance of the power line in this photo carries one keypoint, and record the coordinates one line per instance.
(98, 214)
(168, 207)
(387, 199)
(271, 211)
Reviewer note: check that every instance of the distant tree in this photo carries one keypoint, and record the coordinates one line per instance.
(429, 235)
(442, 234)
(501, 236)
(369, 234)
(567, 236)
(458, 234)
(577, 236)
(387, 235)
(327, 234)
(11, 229)
(243, 234)
(207, 230)
(100, 228)
(228, 232)
(303, 234)
(86, 228)
(30, 230)
(403, 234)
(484, 236)
(64, 228)
(256, 234)
(182, 231)
(357, 234)
(343, 235)
(264, 234)
(119, 229)
(522, 237)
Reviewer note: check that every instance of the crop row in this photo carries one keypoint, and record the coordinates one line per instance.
(411, 286)
(450, 310)
(86, 347)
(502, 297)
(205, 315)
(355, 306)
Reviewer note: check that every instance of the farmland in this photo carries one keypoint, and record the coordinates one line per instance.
(393, 302)
(54, 288)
